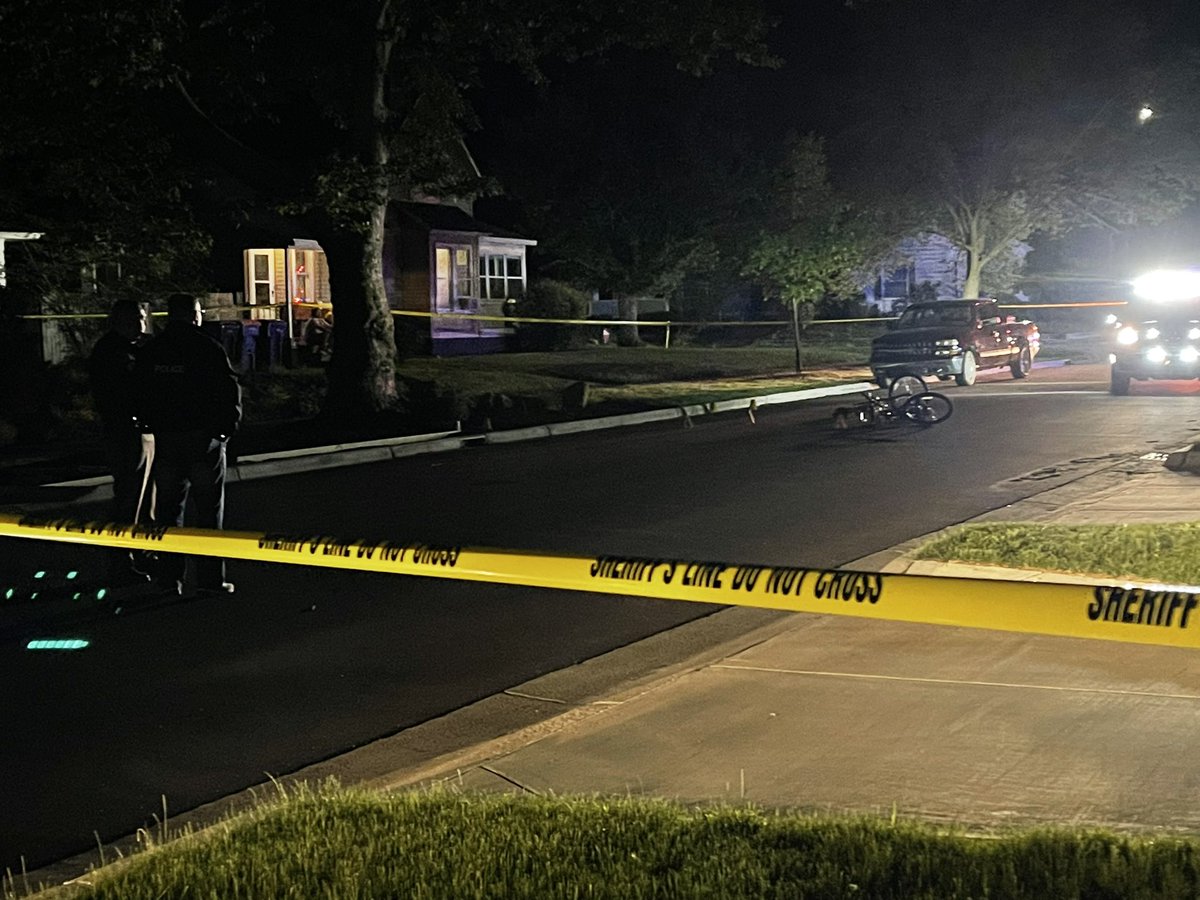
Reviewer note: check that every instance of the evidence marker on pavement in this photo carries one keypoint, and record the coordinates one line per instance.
(57, 644)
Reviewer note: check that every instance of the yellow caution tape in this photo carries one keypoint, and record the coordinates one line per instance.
(1159, 615)
(641, 323)
(1080, 305)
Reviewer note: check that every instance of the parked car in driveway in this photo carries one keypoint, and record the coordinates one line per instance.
(954, 339)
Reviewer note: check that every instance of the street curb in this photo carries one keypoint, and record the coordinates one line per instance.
(292, 462)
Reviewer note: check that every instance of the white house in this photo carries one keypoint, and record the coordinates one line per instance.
(925, 258)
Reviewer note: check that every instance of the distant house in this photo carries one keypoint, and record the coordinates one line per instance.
(12, 236)
(452, 273)
(924, 259)
(53, 344)
(928, 258)
(438, 260)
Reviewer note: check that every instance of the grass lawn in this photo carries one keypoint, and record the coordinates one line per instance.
(1160, 552)
(639, 377)
(612, 365)
(345, 843)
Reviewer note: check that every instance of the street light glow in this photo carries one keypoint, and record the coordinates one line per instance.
(1145, 113)
(1168, 285)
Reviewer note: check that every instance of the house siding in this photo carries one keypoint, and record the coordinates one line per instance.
(406, 270)
(932, 259)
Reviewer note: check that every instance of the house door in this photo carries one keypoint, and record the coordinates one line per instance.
(260, 277)
(443, 281)
(454, 278)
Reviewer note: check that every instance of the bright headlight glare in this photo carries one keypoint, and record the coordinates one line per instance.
(1156, 354)
(1151, 333)
(1189, 355)
(1194, 334)
(1127, 335)
(1168, 284)
(1110, 319)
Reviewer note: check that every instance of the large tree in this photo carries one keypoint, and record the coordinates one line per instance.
(1017, 118)
(812, 243)
(327, 112)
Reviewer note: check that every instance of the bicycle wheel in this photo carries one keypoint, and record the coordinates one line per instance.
(903, 388)
(928, 408)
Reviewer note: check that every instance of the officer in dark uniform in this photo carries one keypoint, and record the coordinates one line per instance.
(190, 400)
(110, 370)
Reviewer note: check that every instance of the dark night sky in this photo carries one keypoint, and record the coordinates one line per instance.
(832, 54)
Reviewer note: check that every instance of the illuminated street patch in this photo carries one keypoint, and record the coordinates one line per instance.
(57, 644)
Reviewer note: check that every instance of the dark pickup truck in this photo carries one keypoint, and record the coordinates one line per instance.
(954, 339)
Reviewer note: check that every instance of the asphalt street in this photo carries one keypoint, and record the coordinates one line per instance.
(196, 700)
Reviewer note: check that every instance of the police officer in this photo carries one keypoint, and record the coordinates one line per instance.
(190, 400)
(110, 369)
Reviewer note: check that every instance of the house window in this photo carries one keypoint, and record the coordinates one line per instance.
(898, 282)
(502, 276)
(100, 275)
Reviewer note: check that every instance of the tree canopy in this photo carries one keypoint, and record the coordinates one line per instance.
(322, 112)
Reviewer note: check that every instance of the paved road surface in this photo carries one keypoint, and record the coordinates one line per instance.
(197, 700)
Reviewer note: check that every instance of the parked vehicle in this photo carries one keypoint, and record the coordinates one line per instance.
(954, 339)
(1163, 348)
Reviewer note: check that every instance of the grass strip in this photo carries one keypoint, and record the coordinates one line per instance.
(611, 365)
(340, 843)
(1167, 552)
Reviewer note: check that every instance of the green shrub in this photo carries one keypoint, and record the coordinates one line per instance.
(548, 299)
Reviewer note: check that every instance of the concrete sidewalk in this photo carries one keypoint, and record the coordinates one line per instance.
(981, 728)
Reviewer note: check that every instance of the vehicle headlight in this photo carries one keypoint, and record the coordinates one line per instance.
(1156, 354)
(1110, 319)
(1127, 335)
(1189, 355)
(1194, 334)
(1152, 333)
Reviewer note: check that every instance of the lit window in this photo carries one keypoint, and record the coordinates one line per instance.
(502, 276)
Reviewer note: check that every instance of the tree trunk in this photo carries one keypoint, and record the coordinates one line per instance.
(972, 281)
(796, 333)
(627, 335)
(362, 372)
(974, 250)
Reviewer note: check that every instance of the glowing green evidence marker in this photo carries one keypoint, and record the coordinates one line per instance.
(57, 644)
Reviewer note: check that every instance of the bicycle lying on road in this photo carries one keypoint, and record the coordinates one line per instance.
(906, 400)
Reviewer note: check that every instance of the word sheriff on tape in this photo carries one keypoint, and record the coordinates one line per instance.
(1146, 615)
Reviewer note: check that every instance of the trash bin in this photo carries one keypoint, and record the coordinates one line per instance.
(249, 355)
(271, 339)
(227, 334)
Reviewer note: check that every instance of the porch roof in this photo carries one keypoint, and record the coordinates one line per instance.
(436, 217)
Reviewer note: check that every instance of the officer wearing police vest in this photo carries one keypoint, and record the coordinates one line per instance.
(190, 400)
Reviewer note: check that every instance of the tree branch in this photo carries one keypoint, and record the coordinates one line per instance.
(217, 144)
